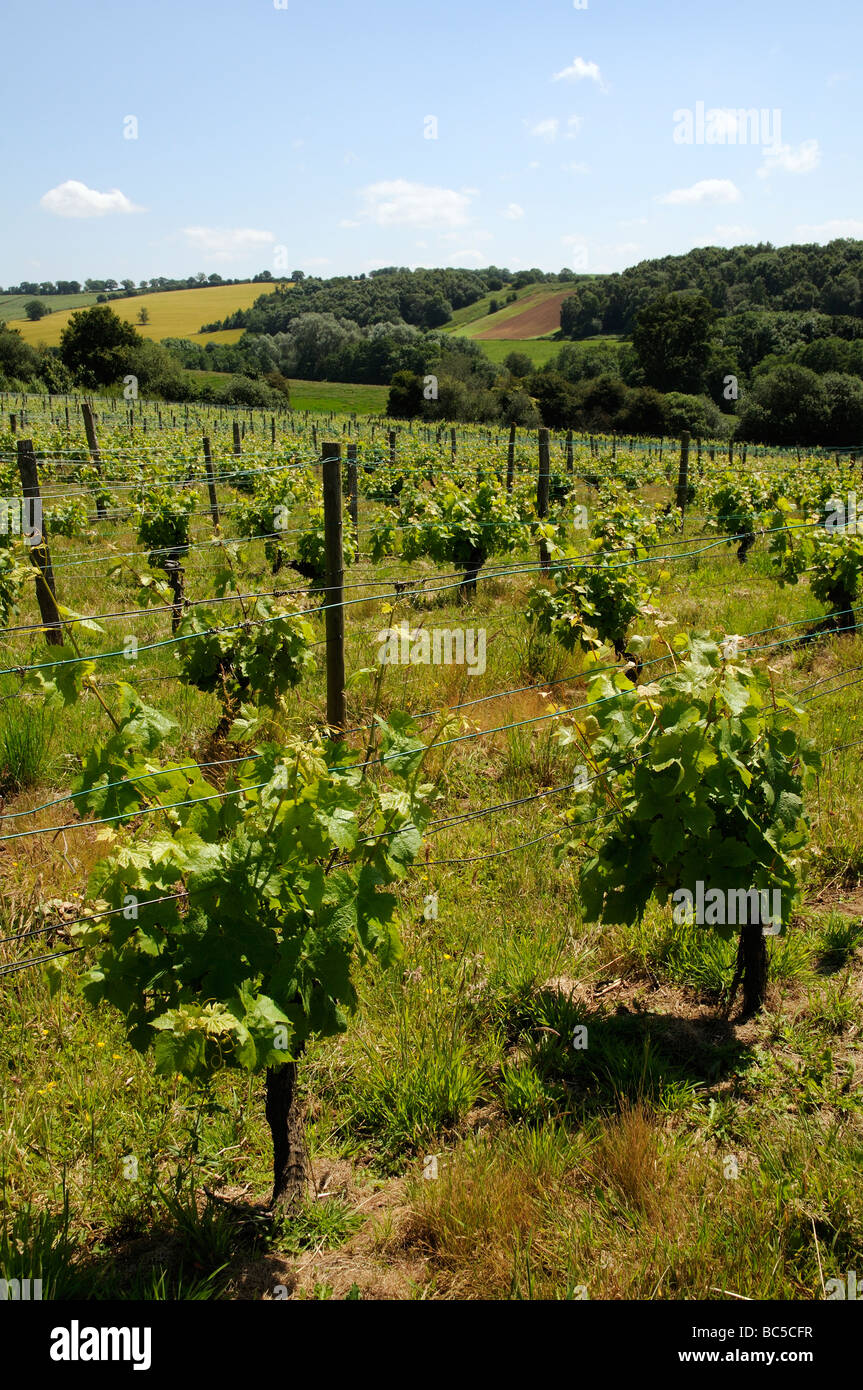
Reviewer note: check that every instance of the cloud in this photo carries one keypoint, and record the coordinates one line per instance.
(398, 203)
(469, 255)
(789, 160)
(74, 199)
(227, 243)
(513, 211)
(705, 191)
(575, 167)
(317, 260)
(837, 228)
(547, 129)
(579, 69)
(573, 126)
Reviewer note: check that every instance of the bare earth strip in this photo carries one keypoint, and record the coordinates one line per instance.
(533, 323)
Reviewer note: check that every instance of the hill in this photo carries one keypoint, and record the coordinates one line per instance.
(12, 305)
(172, 313)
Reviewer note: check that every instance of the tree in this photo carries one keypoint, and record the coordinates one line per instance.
(405, 400)
(143, 314)
(35, 309)
(518, 364)
(95, 346)
(785, 406)
(556, 400)
(672, 340)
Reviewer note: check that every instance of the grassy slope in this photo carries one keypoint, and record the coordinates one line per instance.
(539, 350)
(12, 305)
(324, 396)
(173, 313)
(607, 1169)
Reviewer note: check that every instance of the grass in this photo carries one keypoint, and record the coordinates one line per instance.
(12, 305)
(322, 397)
(173, 313)
(539, 350)
(675, 1155)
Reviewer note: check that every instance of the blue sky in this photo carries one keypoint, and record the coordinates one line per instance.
(296, 137)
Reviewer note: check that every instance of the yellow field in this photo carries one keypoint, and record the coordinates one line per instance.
(173, 314)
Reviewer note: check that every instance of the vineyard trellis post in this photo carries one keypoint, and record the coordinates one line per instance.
(46, 593)
(510, 458)
(683, 472)
(93, 446)
(211, 483)
(334, 609)
(542, 491)
(569, 456)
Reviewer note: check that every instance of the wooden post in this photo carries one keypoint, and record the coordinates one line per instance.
(392, 443)
(93, 446)
(452, 441)
(353, 493)
(334, 593)
(211, 483)
(569, 455)
(272, 429)
(683, 471)
(13, 423)
(238, 447)
(731, 451)
(510, 458)
(542, 489)
(39, 552)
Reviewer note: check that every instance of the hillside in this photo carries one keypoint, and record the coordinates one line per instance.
(172, 313)
(12, 305)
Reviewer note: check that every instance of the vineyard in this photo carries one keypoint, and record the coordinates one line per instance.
(373, 800)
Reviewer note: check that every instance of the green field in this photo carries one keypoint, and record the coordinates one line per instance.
(539, 350)
(323, 396)
(12, 305)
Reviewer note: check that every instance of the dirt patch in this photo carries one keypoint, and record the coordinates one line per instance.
(533, 322)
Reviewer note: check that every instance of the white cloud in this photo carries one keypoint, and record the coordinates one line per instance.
(227, 243)
(578, 69)
(575, 167)
(534, 164)
(547, 129)
(469, 255)
(74, 199)
(705, 191)
(801, 160)
(573, 126)
(513, 211)
(838, 227)
(632, 222)
(398, 203)
(317, 260)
